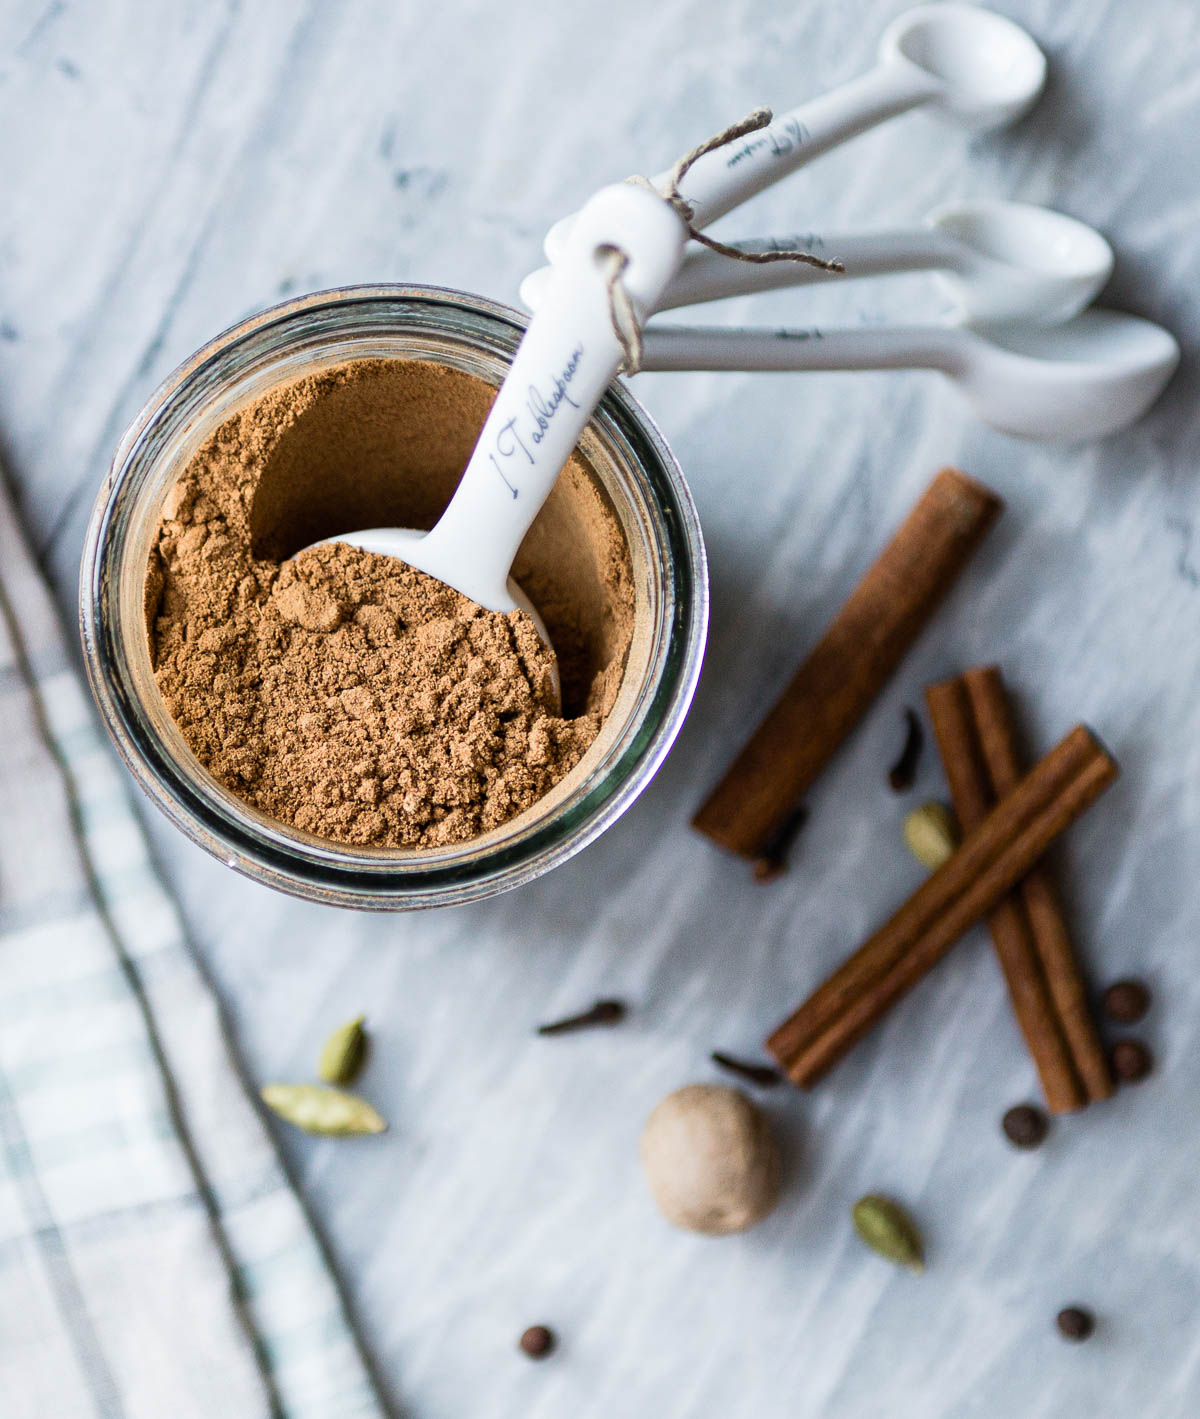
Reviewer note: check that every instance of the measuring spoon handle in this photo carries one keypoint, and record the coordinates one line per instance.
(727, 177)
(561, 369)
(697, 347)
(710, 275)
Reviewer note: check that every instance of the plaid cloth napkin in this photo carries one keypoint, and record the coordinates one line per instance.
(154, 1261)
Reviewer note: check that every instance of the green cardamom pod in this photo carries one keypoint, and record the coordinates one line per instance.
(343, 1053)
(931, 834)
(888, 1229)
(319, 1110)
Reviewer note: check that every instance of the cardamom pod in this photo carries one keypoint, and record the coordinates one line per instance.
(316, 1109)
(343, 1053)
(889, 1230)
(931, 834)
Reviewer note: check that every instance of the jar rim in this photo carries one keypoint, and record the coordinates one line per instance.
(335, 873)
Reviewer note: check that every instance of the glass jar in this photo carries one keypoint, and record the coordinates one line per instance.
(624, 453)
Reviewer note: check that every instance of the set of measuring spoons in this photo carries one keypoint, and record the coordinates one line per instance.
(1021, 344)
(1026, 351)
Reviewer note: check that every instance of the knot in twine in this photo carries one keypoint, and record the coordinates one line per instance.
(613, 260)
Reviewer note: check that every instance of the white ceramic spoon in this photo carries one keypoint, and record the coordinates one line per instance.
(998, 261)
(566, 360)
(1089, 377)
(974, 66)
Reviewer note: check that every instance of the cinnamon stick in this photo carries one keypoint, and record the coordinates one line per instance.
(996, 728)
(971, 786)
(993, 857)
(848, 667)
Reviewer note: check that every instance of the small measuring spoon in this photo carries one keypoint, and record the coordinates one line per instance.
(566, 360)
(998, 261)
(971, 65)
(1086, 378)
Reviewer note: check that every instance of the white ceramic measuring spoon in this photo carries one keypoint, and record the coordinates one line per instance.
(1086, 378)
(562, 367)
(976, 67)
(998, 261)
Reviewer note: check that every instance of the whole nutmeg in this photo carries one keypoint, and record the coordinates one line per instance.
(711, 1160)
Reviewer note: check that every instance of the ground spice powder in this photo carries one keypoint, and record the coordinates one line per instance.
(340, 691)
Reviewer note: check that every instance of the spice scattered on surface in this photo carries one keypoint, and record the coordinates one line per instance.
(1025, 1126)
(317, 1109)
(604, 1012)
(1131, 1061)
(710, 1160)
(1126, 1001)
(931, 834)
(538, 1341)
(761, 1074)
(1075, 1323)
(773, 861)
(903, 773)
(343, 1053)
(887, 1229)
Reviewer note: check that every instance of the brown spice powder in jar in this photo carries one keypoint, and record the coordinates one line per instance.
(343, 692)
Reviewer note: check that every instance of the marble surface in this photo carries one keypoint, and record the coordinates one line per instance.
(166, 169)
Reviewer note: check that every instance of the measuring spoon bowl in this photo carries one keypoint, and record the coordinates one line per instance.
(1014, 261)
(987, 71)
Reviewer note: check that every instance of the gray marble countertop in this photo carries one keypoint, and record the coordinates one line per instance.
(165, 170)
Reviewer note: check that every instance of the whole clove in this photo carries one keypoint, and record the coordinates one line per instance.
(604, 1012)
(761, 1074)
(772, 862)
(903, 773)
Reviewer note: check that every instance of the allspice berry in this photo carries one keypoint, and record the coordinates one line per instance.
(710, 1160)
(1075, 1323)
(537, 1342)
(1131, 1061)
(1126, 1001)
(1025, 1126)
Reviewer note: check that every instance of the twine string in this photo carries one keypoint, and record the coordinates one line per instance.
(613, 260)
(626, 326)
